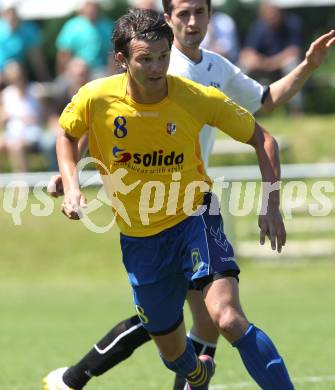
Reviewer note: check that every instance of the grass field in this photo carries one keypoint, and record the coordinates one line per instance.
(62, 287)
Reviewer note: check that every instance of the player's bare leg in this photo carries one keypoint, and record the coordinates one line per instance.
(172, 345)
(222, 300)
(257, 351)
(203, 326)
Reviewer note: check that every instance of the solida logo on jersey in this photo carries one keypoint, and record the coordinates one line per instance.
(156, 158)
(121, 155)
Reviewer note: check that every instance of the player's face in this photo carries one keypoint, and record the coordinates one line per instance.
(188, 20)
(147, 65)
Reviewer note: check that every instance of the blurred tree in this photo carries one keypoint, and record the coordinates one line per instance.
(319, 95)
(51, 29)
(243, 14)
(117, 8)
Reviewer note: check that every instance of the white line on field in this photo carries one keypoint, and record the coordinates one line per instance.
(245, 385)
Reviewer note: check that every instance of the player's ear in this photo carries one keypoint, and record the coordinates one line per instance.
(167, 18)
(121, 60)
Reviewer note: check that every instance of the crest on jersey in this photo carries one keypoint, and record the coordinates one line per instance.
(171, 128)
(196, 259)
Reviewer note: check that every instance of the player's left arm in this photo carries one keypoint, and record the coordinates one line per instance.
(270, 220)
(283, 89)
(238, 123)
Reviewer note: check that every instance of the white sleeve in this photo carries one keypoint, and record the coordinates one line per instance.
(242, 89)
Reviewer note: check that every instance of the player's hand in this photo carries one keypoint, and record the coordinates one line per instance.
(319, 49)
(55, 186)
(272, 226)
(74, 201)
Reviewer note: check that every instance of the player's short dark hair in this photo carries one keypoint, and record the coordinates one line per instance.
(167, 5)
(140, 24)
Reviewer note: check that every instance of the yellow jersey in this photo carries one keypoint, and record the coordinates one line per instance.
(149, 154)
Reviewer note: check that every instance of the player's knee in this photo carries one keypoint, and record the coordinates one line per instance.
(231, 323)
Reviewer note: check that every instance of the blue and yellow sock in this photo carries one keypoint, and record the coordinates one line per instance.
(189, 366)
(199, 376)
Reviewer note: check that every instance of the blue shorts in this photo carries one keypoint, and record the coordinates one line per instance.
(160, 267)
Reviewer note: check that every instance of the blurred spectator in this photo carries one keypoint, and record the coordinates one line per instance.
(86, 36)
(19, 41)
(77, 74)
(222, 36)
(19, 117)
(60, 92)
(273, 46)
(55, 96)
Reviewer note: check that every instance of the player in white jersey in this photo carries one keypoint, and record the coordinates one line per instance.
(215, 70)
(189, 20)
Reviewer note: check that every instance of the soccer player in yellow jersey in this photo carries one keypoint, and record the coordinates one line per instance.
(189, 21)
(144, 129)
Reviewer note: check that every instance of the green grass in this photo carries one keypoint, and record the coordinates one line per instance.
(62, 287)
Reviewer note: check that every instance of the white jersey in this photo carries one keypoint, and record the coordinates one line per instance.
(218, 72)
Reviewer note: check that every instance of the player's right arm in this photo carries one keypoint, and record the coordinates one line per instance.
(74, 122)
(67, 154)
(55, 185)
